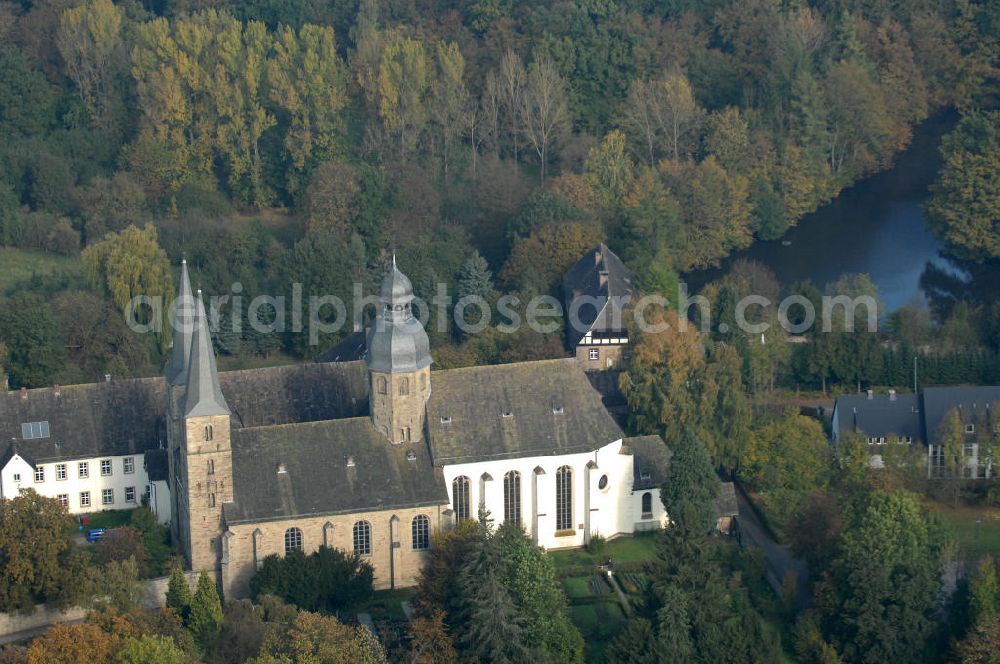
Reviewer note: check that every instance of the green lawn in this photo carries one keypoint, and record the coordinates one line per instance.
(621, 550)
(19, 265)
(577, 587)
(387, 604)
(107, 519)
(977, 529)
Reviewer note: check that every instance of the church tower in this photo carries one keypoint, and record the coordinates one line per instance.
(175, 372)
(204, 461)
(399, 363)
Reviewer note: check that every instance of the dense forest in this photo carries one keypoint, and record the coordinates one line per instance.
(274, 143)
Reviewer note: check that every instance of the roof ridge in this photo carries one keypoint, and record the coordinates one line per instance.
(288, 425)
(279, 367)
(78, 386)
(550, 360)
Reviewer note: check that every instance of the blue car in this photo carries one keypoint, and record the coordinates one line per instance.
(95, 534)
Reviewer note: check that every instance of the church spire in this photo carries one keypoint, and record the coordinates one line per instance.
(182, 319)
(204, 395)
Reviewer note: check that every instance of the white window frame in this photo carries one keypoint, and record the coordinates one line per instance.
(128, 490)
(63, 499)
(84, 499)
(107, 496)
(128, 465)
(17, 477)
(83, 470)
(594, 354)
(61, 470)
(39, 474)
(106, 465)
(970, 428)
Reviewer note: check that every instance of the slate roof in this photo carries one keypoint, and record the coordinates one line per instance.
(584, 279)
(182, 321)
(296, 393)
(651, 458)
(157, 465)
(466, 422)
(203, 395)
(95, 419)
(881, 415)
(317, 479)
(351, 348)
(725, 502)
(972, 400)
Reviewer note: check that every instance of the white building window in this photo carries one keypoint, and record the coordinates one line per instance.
(512, 498)
(84, 499)
(564, 498)
(970, 428)
(460, 497)
(17, 477)
(595, 353)
(128, 465)
(130, 494)
(105, 467)
(63, 499)
(107, 497)
(40, 474)
(60, 471)
(84, 469)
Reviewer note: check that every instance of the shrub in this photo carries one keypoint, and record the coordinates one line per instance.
(328, 579)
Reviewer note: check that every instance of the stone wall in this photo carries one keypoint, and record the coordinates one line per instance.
(608, 357)
(246, 545)
(43, 616)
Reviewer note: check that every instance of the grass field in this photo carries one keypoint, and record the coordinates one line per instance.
(18, 266)
(622, 550)
(107, 519)
(977, 529)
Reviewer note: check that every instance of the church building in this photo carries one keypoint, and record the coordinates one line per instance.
(371, 456)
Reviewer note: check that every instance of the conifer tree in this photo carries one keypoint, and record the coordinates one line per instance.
(476, 278)
(493, 630)
(206, 610)
(178, 592)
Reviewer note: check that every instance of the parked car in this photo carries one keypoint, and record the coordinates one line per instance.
(95, 534)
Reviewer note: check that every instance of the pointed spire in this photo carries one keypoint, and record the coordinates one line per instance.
(204, 395)
(182, 319)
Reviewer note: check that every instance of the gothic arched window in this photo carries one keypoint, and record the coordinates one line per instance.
(211, 466)
(460, 498)
(512, 497)
(404, 386)
(363, 538)
(564, 498)
(647, 504)
(421, 532)
(293, 540)
(208, 432)
(383, 385)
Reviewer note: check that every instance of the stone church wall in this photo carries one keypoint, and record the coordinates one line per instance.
(240, 559)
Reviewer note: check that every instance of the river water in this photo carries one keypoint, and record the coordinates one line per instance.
(877, 227)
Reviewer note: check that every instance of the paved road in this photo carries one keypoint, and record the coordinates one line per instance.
(779, 558)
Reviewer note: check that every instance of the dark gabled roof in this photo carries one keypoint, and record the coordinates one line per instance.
(296, 393)
(351, 348)
(466, 422)
(880, 415)
(317, 479)
(157, 465)
(95, 419)
(127, 416)
(650, 460)
(971, 400)
(584, 279)
(725, 502)
(13, 449)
